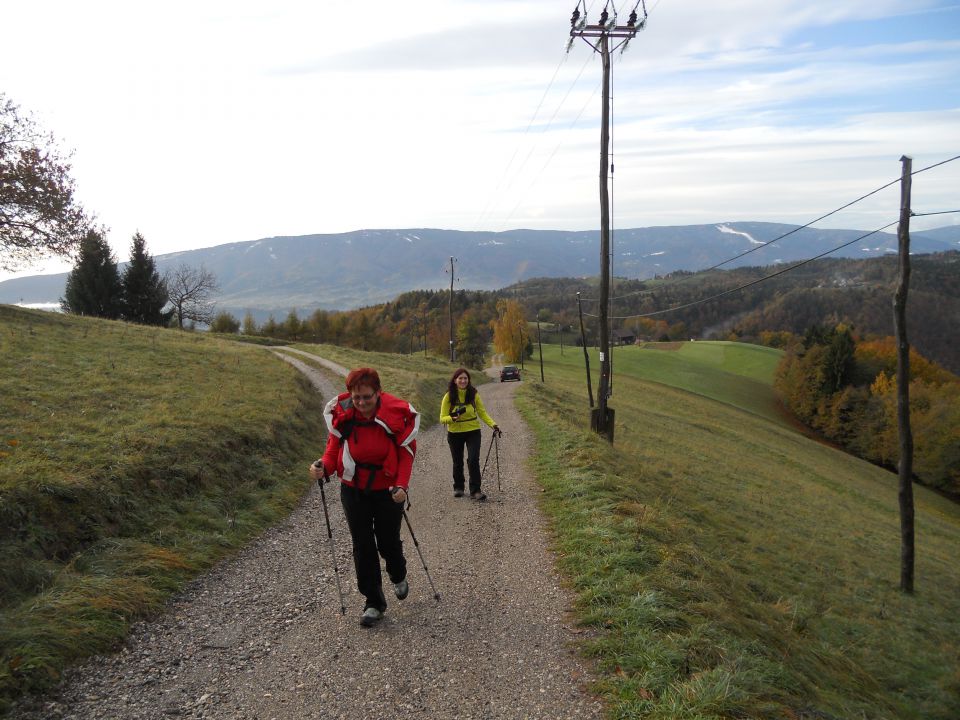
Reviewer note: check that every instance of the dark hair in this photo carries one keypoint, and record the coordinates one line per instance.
(363, 376)
(453, 390)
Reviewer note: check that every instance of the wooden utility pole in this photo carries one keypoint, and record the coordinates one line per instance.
(423, 327)
(602, 417)
(905, 466)
(601, 420)
(453, 354)
(523, 346)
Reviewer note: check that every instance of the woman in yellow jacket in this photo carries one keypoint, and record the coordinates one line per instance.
(461, 411)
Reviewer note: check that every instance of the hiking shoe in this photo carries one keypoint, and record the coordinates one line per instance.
(401, 589)
(371, 616)
(458, 492)
(478, 496)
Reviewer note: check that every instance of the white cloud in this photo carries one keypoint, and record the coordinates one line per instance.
(205, 123)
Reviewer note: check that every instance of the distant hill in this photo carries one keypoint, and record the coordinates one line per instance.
(364, 267)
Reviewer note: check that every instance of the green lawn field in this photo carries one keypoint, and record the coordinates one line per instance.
(723, 564)
(730, 566)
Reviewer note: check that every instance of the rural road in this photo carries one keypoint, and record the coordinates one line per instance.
(261, 636)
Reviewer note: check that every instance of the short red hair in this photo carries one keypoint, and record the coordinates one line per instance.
(363, 376)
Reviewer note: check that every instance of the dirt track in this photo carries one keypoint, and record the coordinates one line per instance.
(261, 636)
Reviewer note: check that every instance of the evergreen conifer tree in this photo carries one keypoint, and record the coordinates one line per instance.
(93, 286)
(144, 292)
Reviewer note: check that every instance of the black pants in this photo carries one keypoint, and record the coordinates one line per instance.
(457, 441)
(374, 520)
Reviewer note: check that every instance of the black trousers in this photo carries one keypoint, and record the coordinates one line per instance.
(457, 441)
(374, 520)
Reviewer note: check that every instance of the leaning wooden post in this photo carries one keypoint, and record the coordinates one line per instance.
(586, 355)
(540, 347)
(903, 383)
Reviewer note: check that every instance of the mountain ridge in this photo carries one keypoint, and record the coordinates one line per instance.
(341, 271)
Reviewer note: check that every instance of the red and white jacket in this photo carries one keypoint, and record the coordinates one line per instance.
(384, 445)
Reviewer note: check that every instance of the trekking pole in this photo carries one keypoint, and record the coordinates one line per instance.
(493, 441)
(333, 552)
(436, 595)
(486, 459)
(496, 445)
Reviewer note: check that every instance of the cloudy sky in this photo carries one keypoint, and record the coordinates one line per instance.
(202, 123)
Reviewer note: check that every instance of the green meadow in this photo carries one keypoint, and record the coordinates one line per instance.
(733, 373)
(131, 458)
(729, 566)
(722, 564)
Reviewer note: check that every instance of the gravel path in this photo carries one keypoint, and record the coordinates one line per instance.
(261, 636)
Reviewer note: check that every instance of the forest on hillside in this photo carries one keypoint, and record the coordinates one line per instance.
(719, 304)
(845, 388)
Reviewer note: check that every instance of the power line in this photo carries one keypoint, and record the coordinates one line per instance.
(525, 132)
(941, 212)
(802, 227)
(753, 282)
(931, 167)
(484, 214)
(553, 154)
(791, 232)
(543, 168)
(507, 171)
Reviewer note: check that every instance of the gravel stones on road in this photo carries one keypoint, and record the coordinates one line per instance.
(261, 636)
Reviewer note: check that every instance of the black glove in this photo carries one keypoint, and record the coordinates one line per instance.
(497, 431)
(325, 478)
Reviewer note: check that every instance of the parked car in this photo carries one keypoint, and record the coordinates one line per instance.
(509, 372)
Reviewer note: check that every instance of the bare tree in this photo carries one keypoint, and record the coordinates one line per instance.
(190, 291)
(39, 216)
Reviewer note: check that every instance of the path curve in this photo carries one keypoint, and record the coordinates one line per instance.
(261, 636)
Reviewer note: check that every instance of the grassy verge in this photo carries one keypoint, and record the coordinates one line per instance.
(732, 568)
(131, 458)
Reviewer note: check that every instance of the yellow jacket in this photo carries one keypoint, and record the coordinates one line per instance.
(470, 419)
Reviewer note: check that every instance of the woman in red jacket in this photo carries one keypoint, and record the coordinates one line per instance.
(370, 447)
